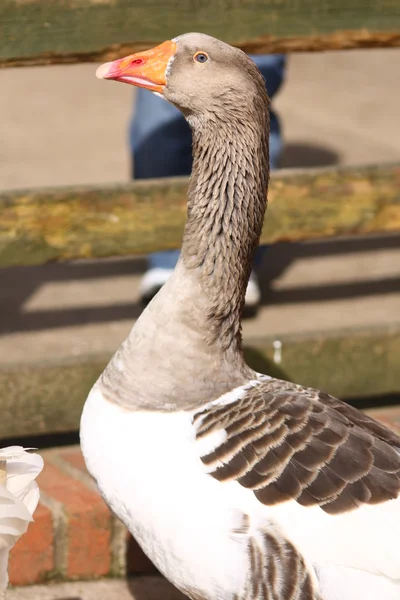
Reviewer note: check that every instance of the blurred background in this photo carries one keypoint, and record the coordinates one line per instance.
(61, 126)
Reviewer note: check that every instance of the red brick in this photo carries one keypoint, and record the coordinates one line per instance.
(88, 523)
(75, 458)
(32, 557)
(137, 561)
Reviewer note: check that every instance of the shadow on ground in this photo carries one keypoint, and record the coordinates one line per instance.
(159, 588)
(302, 155)
(19, 283)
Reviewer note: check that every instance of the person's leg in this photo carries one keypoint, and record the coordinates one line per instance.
(272, 67)
(160, 140)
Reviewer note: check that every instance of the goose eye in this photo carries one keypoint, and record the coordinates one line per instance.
(201, 57)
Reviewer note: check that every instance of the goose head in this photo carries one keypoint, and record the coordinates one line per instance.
(202, 76)
(222, 94)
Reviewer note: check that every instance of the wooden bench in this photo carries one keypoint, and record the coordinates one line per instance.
(38, 226)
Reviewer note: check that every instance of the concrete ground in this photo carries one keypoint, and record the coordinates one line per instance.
(78, 309)
(60, 125)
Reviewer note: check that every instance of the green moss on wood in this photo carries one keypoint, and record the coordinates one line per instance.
(45, 398)
(93, 30)
(67, 223)
(355, 364)
(48, 398)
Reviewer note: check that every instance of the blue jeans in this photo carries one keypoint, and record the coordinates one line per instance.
(161, 141)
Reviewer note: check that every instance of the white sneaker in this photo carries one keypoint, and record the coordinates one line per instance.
(253, 294)
(153, 280)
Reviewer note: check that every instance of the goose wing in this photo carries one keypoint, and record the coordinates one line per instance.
(327, 472)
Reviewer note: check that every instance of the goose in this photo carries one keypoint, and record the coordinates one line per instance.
(19, 497)
(237, 486)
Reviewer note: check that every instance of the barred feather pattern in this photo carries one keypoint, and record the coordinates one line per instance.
(288, 577)
(287, 442)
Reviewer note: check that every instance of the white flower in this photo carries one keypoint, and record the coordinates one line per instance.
(19, 497)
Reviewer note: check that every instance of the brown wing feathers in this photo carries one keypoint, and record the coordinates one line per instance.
(288, 577)
(288, 442)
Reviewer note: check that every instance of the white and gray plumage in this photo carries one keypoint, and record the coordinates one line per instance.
(236, 485)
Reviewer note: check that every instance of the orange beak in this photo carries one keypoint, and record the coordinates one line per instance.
(145, 69)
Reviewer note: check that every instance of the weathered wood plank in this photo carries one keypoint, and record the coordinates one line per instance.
(44, 31)
(264, 44)
(48, 397)
(62, 224)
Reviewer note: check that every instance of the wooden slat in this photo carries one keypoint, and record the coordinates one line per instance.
(48, 397)
(49, 31)
(137, 218)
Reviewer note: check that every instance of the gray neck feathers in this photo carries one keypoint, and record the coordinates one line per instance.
(226, 206)
(185, 348)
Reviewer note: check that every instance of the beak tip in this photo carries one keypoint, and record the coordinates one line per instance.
(101, 72)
